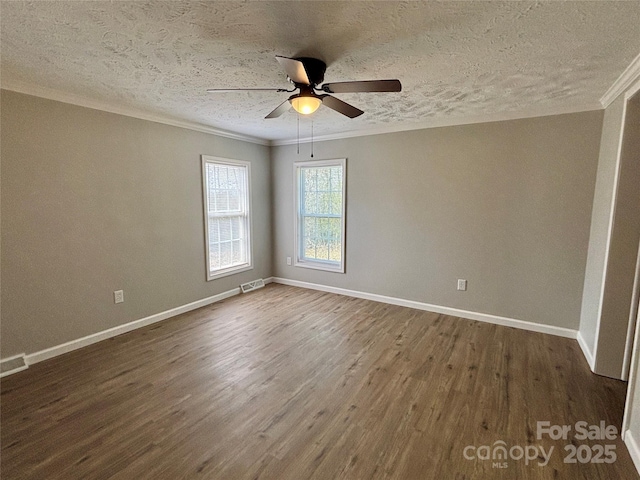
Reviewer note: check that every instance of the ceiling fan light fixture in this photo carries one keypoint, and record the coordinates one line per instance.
(305, 104)
(306, 74)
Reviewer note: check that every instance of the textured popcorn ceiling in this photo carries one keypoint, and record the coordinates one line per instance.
(456, 60)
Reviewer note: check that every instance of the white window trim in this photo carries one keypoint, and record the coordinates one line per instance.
(318, 264)
(238, 268)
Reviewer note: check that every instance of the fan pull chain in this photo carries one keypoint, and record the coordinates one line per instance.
(298, 116)
(311, 138)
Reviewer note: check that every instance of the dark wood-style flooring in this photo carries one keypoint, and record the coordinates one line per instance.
(287, 383)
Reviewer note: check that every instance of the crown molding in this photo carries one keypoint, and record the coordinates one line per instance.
(445, 122)
(51, 94)
(64, 97)
(624, 81)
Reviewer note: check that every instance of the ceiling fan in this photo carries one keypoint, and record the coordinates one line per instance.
(307, 74)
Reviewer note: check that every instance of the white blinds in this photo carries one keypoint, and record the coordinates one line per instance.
(228, 215)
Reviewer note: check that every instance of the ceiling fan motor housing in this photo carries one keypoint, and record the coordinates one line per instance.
(315, 69)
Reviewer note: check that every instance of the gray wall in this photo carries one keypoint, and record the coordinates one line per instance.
(623, 251)
(94, 202)
(603, 202)
(505, 205)
(613, 244)
(631, 147)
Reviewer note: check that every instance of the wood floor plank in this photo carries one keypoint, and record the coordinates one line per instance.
(286, 383)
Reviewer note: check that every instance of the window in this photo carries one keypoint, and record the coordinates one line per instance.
(320, 208)
(226, 216)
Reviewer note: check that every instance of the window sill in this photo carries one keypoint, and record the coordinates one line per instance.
(228, 271)
(320, 266)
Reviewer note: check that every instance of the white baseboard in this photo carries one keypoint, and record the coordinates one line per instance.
(127, 327)
(632, 446)
(482, 317)
(36, 357)
(586, 351)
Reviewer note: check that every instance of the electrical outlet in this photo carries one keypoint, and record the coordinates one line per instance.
(118, 296)
(462, 284)
(288, 260)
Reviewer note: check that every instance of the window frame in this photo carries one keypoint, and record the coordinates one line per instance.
(248, 265)
(299, 260)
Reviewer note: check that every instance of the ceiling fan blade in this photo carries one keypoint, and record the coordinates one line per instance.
(295, 69)
(280, 109)
(363, 86)
(226, 90)
(340, 106)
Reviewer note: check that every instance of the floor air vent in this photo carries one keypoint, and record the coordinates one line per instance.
(249, 286)
(12, 365)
